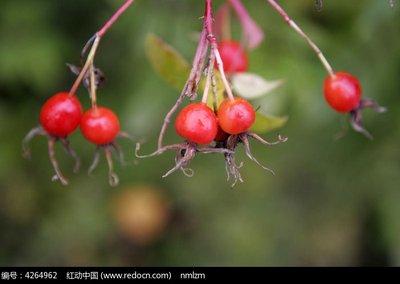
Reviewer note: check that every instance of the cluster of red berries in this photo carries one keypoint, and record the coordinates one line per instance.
(61, 115)
(199, 124)
(214, 131)
(206, 130)
(217, 129)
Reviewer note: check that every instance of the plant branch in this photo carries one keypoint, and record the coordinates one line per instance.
(208, 22)
(190, 88)
(85, 68)
(93, 95)
(114, 17)
(208, 78)
(298, 30)
(96, 40)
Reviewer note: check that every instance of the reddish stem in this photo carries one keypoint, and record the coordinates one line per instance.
(190, 88)
(298, 30)
(208, 21)
(114, 17)
(95, 42)
(208, 25)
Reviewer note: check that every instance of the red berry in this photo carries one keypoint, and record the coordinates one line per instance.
(60, 115)
(342, 91)
(100, 125)
(233, 56)
(236, 116)
(197, 123)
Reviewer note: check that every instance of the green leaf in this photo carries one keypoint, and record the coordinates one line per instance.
(252, 86)
(266, 123)
(167, 61)
(220, 90)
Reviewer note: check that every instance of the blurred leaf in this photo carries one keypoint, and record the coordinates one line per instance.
(252, 86)
(265, 123)
(167, 61)
(219, 88)
(174, 69)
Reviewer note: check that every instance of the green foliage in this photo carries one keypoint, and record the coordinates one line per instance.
(174, 69)
(266, 123)
(166, 61)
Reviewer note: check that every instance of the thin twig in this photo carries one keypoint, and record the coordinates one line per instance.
(208, 78)
(93, 96)
(191, 84)
(85, 68)
(208, 20)
(114, 17)
(96, 40)
(298, 30)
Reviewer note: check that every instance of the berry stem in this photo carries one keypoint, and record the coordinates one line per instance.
(114, 17)
(208, 78)
(97, 37)
(88, 63)
(93, 95)
(298, 30)
(208, 23)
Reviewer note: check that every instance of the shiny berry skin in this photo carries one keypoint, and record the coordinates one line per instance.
(100, 125)
(197, 123)
(342, 91)
(61, 114)
(233, 56)
(236, 116)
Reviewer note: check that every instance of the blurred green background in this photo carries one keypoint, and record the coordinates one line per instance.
(331, 202)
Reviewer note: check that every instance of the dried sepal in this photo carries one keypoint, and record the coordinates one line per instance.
(39, 131)
(231, 143)
(113, 178)
(356, 120)
(95, 161)
(70, 151)
(247, 150)
(185, 152)
(108, 150)
(36, 131)
(52, 155)
(99, 76)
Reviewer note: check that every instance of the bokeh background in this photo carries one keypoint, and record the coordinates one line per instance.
(331, 202)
